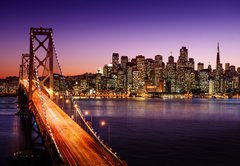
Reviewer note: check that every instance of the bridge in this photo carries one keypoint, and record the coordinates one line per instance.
(69, 140)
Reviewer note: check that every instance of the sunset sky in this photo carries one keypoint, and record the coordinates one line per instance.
(87, 32)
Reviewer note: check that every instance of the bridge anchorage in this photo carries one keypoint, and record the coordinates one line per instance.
(68, 142)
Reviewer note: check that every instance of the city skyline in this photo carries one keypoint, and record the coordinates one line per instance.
(87, 33)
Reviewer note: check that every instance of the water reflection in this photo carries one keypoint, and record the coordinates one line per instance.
(165, 109)
(11, 132)
(170, 132)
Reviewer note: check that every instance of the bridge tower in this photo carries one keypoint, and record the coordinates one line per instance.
(41, 60)
(24, 70)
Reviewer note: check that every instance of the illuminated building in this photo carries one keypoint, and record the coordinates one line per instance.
(129, 77)
(136, 81)
(149, 71)
(141, 68)
(191, 63)
(182, 64)
(158, 73)
(218, 74)
(121, 81)
(115, 62)
(211, 87)
(124, 61)
(170, 75)
(140, 76)
(204, 80)
(98, 86)
(107, 70)
(9, 86)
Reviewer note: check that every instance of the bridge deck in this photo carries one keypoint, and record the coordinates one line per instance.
(76, 146)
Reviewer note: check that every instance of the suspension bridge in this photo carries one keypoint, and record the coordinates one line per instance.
(69, 140)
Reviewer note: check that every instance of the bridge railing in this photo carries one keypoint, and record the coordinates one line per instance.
(80, 120)
(43, 123)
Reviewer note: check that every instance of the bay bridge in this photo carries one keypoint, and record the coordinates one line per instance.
(69, 140)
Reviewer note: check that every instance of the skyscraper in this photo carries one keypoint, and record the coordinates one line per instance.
(115, 62)
(170, 75)
(124, 61)
(183, 58)
(158, 60)
(218, 58)
(218, 73)
(182, 64)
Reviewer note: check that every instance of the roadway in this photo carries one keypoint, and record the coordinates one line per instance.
(75, 145)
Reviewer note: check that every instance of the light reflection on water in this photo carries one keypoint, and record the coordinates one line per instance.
(165, 109)
(11, 129)
(151, 131)
(170, 132)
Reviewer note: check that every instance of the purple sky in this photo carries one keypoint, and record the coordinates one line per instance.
(87, 32)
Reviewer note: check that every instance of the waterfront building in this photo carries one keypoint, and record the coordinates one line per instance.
(190, 80)
(107, 70)
(211, 87)
(140, 76)
(218, 87)
(76, 89)
(83, 86)
(136, 82)
(129, 77)
(98, 86)
(112, 83)
(203, 76)
(170, 75)
(9, 86)
(182, 64)
(150, 71)
(159, 73)
(141, 68)
(236, 82)
(121, 81)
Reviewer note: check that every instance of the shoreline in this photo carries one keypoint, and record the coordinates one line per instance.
(163, 96)
(8, 95)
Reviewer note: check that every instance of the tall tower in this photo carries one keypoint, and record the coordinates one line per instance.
(218, 74)
(41, 59)
(218, 65)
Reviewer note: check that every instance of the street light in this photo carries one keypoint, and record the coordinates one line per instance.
(86, 113)
(75, 106)
(103, 123)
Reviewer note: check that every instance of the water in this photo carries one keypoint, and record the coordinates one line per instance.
(11, 129)
(195, 132)
(169, 132)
